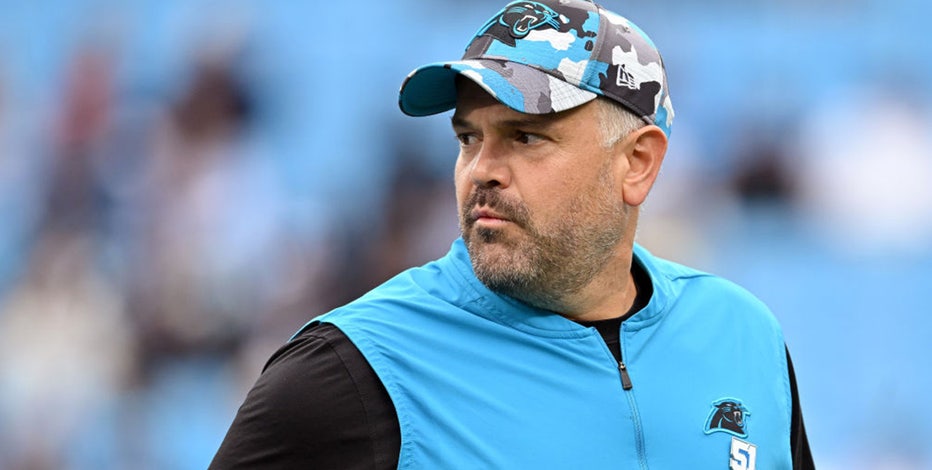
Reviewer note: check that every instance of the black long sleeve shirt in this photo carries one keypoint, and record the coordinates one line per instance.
(319, 404)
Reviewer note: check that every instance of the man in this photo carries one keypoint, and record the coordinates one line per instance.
(545, 338)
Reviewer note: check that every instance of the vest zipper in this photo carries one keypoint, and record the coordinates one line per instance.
(625, 378)
(635, 415)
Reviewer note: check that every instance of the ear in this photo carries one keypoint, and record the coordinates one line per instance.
(644, 150)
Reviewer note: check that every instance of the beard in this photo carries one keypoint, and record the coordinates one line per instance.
(543, 264)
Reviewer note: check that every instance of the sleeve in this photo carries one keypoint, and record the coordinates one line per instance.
(799, 442)
(317, 404)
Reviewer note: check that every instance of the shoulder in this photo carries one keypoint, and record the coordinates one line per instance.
(320, 372)
(692, 289)
(431, 293)
(317, 343)
(317, 400)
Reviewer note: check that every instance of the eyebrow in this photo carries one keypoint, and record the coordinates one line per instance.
(457, 121)
(532, 121)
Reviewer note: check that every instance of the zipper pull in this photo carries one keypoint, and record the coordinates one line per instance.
(625, 378)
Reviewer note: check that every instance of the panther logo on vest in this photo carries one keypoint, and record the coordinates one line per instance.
(519, 19)
(728, 415)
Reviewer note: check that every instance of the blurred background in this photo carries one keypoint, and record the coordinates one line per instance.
(184, 183)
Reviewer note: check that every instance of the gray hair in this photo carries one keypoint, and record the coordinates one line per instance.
(615, 121)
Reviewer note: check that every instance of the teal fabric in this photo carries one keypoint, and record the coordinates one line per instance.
(480, 380)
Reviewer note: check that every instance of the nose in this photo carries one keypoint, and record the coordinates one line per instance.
(490, 167)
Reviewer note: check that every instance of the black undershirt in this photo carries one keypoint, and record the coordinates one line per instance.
(610, 329)
(318, 404)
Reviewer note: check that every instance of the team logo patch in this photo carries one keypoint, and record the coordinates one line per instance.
(518, 20)
(728, 415)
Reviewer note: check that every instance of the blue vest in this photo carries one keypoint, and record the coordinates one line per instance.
(482, 381)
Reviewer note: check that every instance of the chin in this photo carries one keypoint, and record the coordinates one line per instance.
(489, 248)
(495, 256)
(492, 240)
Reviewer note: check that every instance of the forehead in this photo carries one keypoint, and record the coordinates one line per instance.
(470, 95)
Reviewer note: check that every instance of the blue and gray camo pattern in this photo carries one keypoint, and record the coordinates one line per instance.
(582, 49)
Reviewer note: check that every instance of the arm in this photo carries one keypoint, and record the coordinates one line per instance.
(799, 442)
(317, 404)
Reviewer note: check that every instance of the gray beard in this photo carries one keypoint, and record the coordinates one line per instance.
(543, 268)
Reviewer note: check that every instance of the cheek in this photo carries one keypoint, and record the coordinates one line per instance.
(461, 182)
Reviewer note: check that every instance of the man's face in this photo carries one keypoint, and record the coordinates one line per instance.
(540, 210)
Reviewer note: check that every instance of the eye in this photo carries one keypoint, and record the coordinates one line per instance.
(467, 138)
(527, 138)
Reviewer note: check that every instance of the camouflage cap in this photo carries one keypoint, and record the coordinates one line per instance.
(549, 56)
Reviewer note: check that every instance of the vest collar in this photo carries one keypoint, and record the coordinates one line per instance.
(516, 314)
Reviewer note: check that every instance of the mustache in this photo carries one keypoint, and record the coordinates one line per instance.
(493, 199)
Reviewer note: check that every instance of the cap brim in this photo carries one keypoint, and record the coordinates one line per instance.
(431, 89)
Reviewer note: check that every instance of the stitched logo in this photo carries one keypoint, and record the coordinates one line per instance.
(626, 79)
(518, 20)
(728, 415)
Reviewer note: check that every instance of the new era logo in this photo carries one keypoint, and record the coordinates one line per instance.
(626, 79)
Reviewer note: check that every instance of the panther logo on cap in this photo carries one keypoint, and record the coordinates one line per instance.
(728, 415)
(519, 19)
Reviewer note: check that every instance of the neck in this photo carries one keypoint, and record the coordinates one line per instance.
(613, 291)
(610, 295)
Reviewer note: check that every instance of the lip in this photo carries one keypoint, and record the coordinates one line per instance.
(488, 216)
